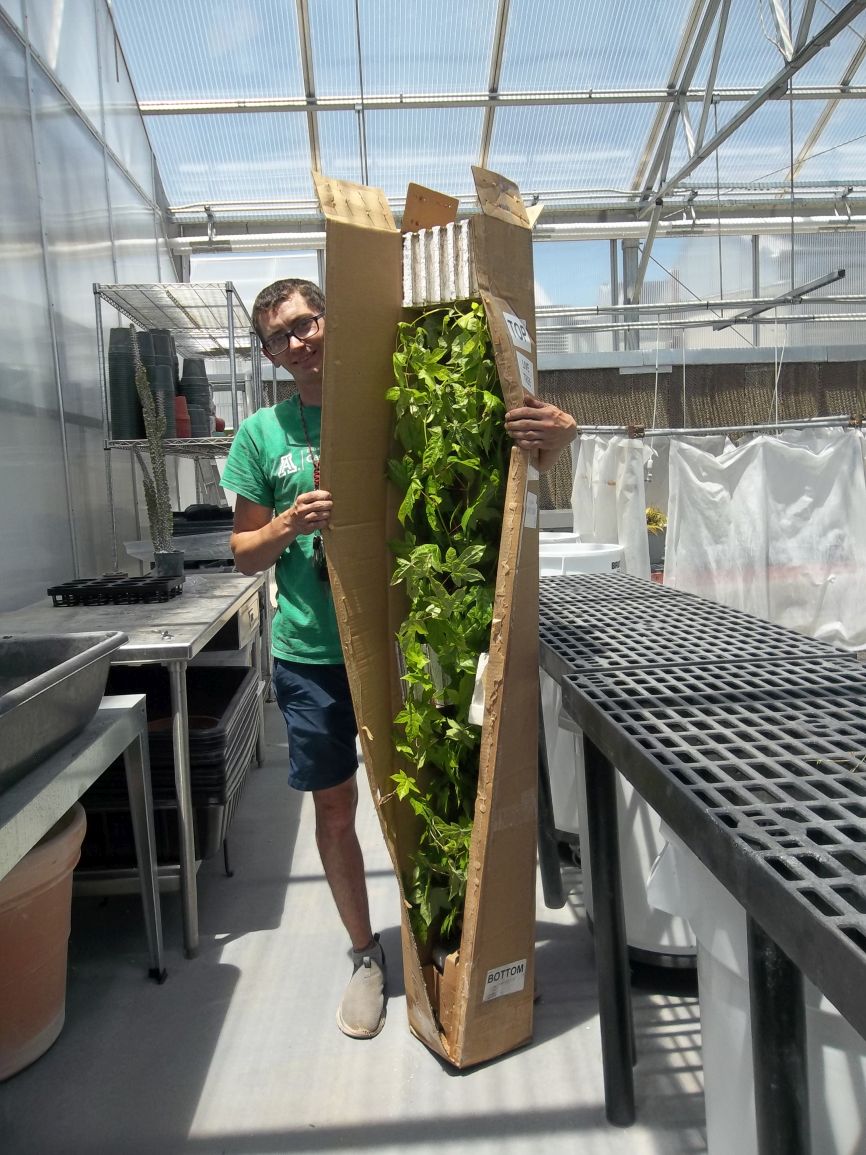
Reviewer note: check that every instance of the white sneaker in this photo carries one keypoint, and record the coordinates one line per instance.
(361, 1014)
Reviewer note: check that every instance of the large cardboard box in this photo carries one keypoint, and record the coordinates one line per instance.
(480, 1005)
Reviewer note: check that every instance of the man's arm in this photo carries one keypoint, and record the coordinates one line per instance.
(541, 427)
(258, 537)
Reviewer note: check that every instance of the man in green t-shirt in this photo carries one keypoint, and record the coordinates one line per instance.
(273, 467)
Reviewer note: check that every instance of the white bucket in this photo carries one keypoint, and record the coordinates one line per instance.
(578, 557)
(557, 537)
(836, 1054)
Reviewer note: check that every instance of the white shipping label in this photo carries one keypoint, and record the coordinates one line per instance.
(505, 980)
(476, 708)
(530, 511)
(518, 332)
(527, 372)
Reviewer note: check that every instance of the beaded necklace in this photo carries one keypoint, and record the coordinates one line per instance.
(314, 457)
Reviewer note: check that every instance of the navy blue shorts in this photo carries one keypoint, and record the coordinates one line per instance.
(317, 706)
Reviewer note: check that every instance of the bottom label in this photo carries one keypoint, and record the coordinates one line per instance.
(505, 980)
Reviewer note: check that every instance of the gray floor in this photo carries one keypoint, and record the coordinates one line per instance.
(238, 1052)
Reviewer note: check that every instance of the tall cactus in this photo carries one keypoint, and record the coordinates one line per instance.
(156, 492)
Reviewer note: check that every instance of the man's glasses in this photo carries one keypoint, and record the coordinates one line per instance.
(305, 328)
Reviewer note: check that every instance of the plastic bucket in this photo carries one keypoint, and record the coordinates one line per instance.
(35, 918)
(578, 557)
(836, 1054)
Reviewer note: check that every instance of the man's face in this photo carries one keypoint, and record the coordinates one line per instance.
(302, 358)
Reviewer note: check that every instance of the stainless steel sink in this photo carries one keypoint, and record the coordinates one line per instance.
(50, 688)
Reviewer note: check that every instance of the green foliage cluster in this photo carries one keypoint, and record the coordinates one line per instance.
(452, 475)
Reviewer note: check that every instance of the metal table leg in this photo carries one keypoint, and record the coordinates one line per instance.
(185, 818)
(611, 952)
(548, 852)
(260, 699)
(778, 1019)
(136, 762)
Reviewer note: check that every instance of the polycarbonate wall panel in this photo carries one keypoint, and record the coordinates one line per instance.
(14, 9)
(831, 63)
(748, 57)
(64, 36)
(582, 44)
(408, 46)
(32, 484)
(413, 46)
(839, 153)
(560, 148)
(132, 223)
(124, 131)
(251, 272)
(339, 146)
(571, 272)
(240, 157)
(218, 48)
(435, 147)
(78, 247)
(759, 152)
(47, 323)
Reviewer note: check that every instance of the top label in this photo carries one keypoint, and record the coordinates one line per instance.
(518, 332)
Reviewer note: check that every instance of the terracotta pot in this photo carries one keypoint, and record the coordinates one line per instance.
(35, 916)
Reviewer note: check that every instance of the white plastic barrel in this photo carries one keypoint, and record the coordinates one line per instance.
(836, 1054)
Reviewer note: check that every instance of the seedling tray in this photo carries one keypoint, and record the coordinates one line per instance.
(115, 591)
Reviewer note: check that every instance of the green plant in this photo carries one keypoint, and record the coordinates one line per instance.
(656, 521)
(157, 496)
(452, 474)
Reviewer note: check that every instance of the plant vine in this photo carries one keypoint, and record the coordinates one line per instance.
(451, 475)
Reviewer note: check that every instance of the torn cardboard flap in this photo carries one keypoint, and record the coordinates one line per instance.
(426, 209)
(500, 197)
(341, 200)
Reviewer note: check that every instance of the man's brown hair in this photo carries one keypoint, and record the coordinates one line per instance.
(274, 295)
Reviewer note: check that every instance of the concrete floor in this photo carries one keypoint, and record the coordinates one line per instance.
(238, 1052)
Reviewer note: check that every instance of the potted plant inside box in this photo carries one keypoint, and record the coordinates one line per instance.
(168, 562)
(656, 524)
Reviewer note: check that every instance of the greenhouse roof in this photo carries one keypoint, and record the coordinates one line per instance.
(603, 110)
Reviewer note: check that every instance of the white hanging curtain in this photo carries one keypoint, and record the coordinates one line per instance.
(775, 527)
(608, 499)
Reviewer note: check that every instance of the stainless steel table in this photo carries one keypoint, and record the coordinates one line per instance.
(171, 634)
(30, 807)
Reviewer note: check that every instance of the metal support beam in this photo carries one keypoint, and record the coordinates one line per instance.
(497, 53)
(640, 180)
(805, 24)
(658, 164)
(793, 297)
(309, 82)
(645, 253)
(777, 86)
(227, 106)
(721, 28)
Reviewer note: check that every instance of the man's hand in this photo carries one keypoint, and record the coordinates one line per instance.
(310, 511)
(541, 427)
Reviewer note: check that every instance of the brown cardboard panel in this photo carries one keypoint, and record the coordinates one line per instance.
(499, 917)
(358, 204)
(500, 198)
(364, 295)
(425, 208)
